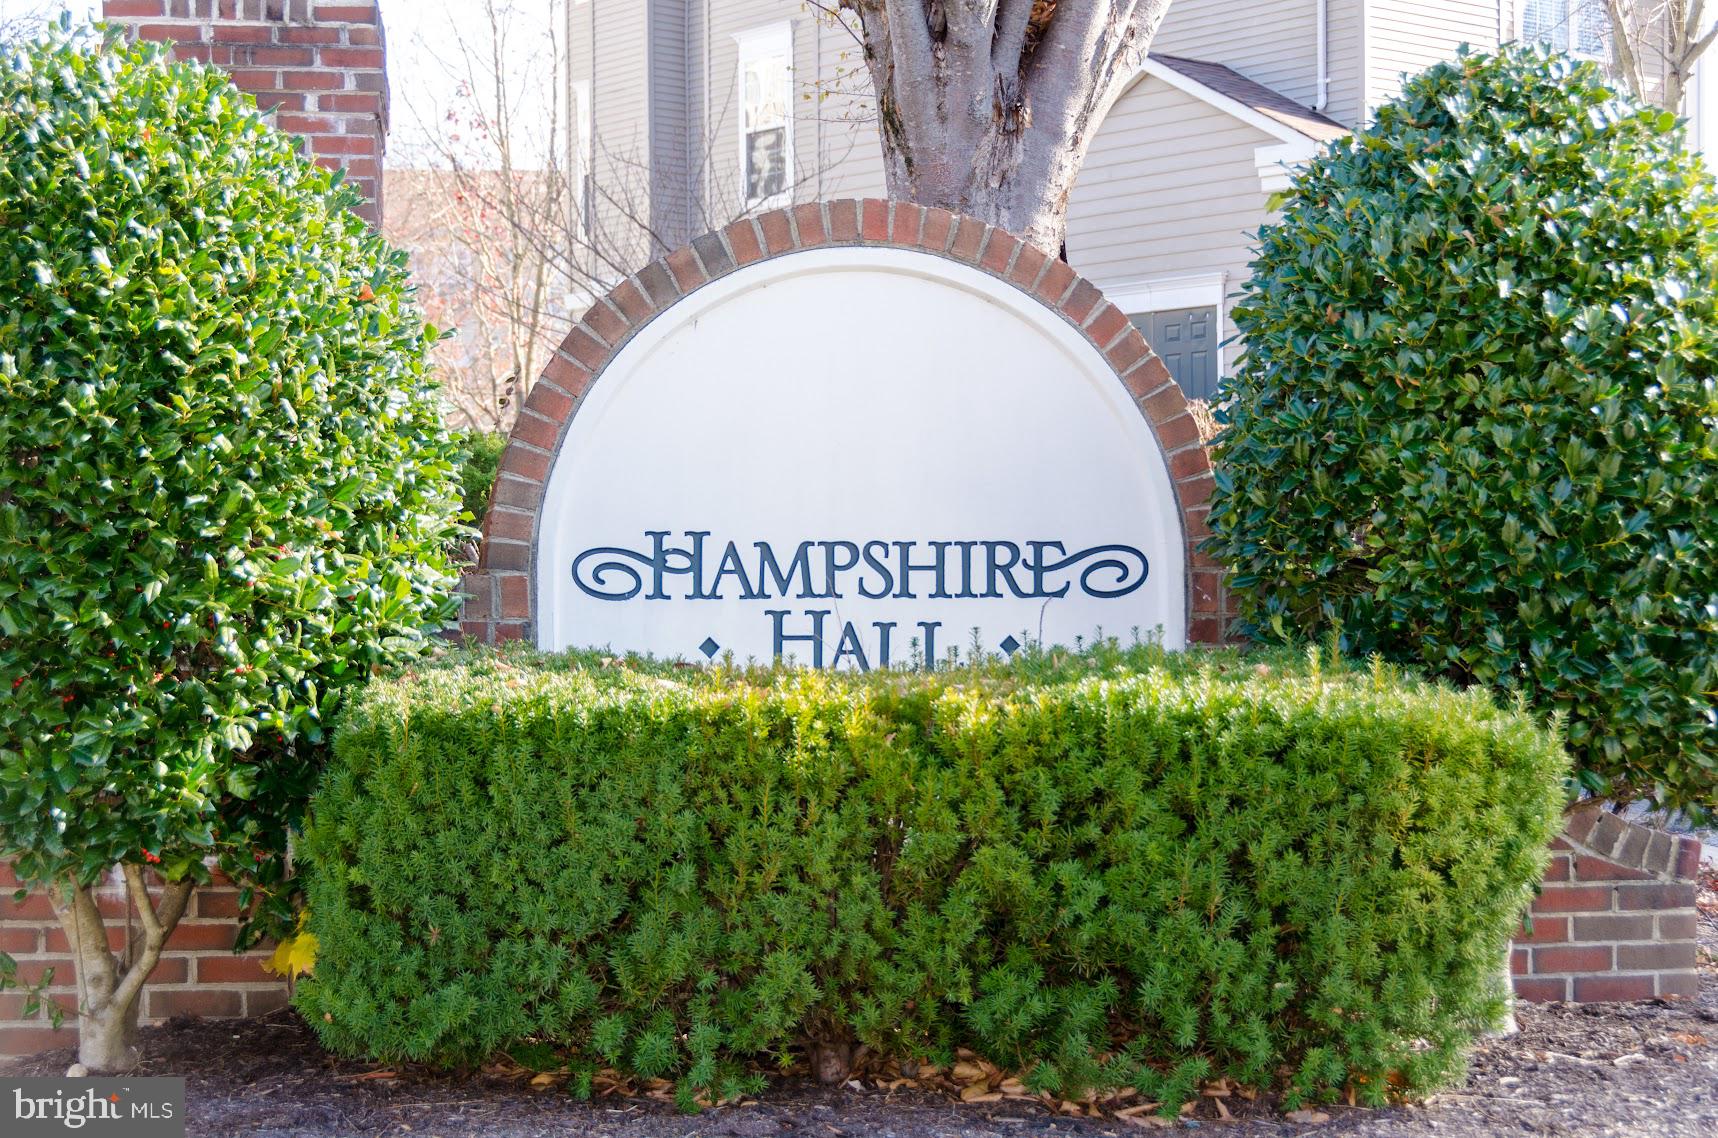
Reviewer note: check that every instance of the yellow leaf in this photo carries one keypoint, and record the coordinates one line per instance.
(296, 955)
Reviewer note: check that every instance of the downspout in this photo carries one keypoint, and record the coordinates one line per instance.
(1322, 97)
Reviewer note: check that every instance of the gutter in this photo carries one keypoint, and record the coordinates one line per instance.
(1323, 85)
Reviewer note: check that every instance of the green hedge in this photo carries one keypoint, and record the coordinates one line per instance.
(1120, 868)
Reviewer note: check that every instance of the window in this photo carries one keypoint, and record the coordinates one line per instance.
(584, 158)
(1579, 27)
(766, 115)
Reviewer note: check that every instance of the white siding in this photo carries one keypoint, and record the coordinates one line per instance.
(843, 115)
(1404, 37)
(671, 186)
(1170, 188)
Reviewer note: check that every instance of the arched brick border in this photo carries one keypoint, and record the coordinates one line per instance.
(499, 605)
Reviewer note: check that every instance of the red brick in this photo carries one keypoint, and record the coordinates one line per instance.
(967, 239)
(1688, 859)
(1589, 868)
(478, 601)
(1538, 990)
(1028, 265)
(1656, 957)
(162, 33)
(688, 273)
(228, 33)
(844, 220)
(262, 1001)
(510, 556)
(270, 100)
(121, 9)
(1520, 962)
(606, 324)
(1656, 896)
(908, 220)
(1609, 927)
(507, 632)
(632, 303)
(525, 463)
(34, 907)
(211, 1002)
(29, 1040)
(312, 81)
(874, 219)
(743, 240)
(998, 252)
(258, 56)
(1195, 492)
(1081, 302)
(309, 35)
(1604, 989)
(1557, 869)
(515, 598)
(352, 58)
(586, 348)
(934, 233)
(32, 972)
(476, 631)
(1678, 926)
(1107, 324)
(1679, 984)
(1053, 285)
(1205, 630)
(15, 941)
(1188, 464)
(342, 144)
(537, 431)
(357, 102)
(189, 935)
(1573, 958)
(1546, 930)
(9, 875)
(233, 970)
(778, 237)
(548, 401)
(346, 13)
(564, 373)
(306, 124)
(1575, 899)
(1178, 432)
(808, 220)
(506, 525)
(1127, 351)
(1165, 405)
(516, 492)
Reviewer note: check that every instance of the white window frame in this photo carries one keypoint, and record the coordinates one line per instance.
(1570, 8)
(758, 43)
(1169, 292)
(584, 154)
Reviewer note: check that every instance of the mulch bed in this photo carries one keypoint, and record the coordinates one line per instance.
(1598, 1069)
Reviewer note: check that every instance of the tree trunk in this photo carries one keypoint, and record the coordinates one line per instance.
(110, 989)
(987, 107)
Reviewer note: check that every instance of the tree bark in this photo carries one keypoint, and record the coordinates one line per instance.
(987, 107)
(110, 988)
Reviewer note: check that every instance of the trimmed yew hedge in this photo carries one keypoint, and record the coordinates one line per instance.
(1120, 868)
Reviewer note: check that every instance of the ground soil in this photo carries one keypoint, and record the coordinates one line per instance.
(1599, 1069)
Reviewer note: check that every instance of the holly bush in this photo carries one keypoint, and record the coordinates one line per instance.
(226, 491)
(1121, 868)
(1475, 427)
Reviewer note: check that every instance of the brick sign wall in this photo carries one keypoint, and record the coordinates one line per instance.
(322, 65)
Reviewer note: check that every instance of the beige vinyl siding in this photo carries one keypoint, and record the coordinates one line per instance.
(724, 181)
(842, 114)
(1404, 37)
(1170, 188)
(671, 187)
(1346, 36)
(609, 45)
(1273, 43)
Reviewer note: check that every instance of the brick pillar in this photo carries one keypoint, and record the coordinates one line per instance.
(1616, 918)
(323, 65)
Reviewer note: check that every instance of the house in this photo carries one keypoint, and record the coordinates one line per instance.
(689, 113)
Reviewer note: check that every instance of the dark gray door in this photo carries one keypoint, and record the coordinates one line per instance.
(1186, 340)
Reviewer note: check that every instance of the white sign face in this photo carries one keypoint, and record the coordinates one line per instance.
(854, 458)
